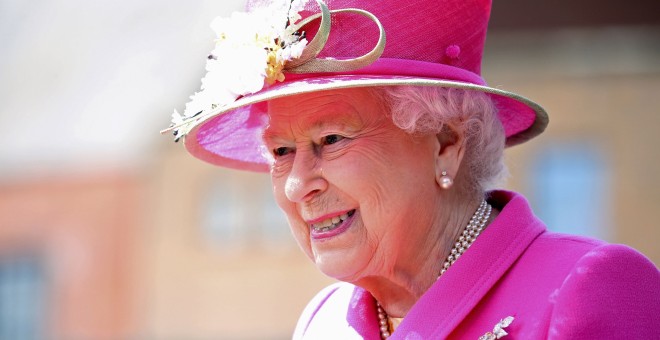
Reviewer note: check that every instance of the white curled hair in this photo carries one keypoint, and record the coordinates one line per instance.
(423, 110)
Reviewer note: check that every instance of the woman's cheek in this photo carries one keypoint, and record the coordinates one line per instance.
(301, 232)
(356, 165)
(298, 227)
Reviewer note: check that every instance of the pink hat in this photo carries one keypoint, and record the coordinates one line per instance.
(264, 54)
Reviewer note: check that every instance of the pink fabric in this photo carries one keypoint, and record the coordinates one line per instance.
(555, 286)
(234, 140)
(416, 30)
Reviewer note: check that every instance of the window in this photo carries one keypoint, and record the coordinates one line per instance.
(222, 213)
(569, 185)
(240, 209)
(273, 224)
(22, 299)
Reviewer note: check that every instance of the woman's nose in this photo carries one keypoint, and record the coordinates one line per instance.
(305, 181)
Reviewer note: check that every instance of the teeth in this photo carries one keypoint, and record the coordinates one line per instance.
(330, 223)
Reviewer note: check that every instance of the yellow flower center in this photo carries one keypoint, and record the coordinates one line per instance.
(274, 68)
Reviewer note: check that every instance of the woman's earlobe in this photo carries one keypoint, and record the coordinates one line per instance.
(450, 150)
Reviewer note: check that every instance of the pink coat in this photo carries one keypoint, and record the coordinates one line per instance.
(555, 286)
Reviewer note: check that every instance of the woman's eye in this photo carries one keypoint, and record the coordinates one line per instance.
(281, 151)
(332, 139)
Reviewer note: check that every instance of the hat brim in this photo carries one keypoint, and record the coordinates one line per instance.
(230, 136)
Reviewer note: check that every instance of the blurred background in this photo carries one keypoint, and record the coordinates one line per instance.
(110, 231)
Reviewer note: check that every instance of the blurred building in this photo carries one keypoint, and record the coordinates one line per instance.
(109, 231)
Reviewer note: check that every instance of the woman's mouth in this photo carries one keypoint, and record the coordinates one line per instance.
(331, 226)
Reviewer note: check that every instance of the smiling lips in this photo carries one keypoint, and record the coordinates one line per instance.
(331, 223)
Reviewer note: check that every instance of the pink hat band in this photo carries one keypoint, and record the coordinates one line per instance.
(428, 43)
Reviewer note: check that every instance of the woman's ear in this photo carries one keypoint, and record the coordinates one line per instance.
(450, 149)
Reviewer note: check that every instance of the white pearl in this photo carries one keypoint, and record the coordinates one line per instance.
(446, 182)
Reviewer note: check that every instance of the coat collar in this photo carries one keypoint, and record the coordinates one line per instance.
(459, 290)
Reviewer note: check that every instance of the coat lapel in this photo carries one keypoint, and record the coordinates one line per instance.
(458, 291)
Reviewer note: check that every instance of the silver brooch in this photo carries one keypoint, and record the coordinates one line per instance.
(498, 330)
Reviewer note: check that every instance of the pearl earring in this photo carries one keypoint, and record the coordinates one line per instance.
(445, 181)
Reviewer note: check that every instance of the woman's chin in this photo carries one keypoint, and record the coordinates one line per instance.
(339, 265)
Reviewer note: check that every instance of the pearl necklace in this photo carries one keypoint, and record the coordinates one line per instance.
(470, 233)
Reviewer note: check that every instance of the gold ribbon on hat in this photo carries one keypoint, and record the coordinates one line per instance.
(308, 63)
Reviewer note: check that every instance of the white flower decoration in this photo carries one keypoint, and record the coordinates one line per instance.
(251, 50)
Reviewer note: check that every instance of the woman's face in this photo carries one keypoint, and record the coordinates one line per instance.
(359, 193)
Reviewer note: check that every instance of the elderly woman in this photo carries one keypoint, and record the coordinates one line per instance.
(381, 156)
